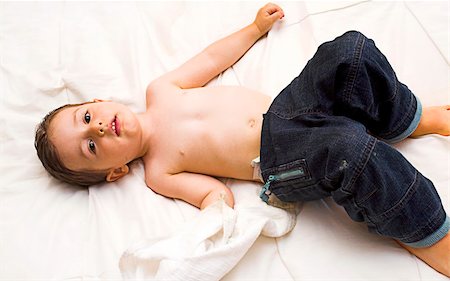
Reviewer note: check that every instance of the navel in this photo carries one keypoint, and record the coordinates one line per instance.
(252, 123)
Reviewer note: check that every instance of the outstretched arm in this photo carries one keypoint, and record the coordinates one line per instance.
(223, 53)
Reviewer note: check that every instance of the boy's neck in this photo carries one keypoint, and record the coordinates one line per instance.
(146, 129)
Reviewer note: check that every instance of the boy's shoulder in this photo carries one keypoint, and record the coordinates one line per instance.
(157, 90)
(161, 86)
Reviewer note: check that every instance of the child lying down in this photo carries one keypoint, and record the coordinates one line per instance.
(326, 134)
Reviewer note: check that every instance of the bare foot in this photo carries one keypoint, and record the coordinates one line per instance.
(434, 120)
(436, 256)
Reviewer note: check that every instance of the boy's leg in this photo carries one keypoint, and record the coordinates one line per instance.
(349, 82)
(315, 155)
(372, 95)
(351, 77)
(396, 201)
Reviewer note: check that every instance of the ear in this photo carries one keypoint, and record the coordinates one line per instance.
(117, 173)
(100, 100)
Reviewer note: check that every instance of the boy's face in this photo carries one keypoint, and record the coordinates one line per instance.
(96, 136)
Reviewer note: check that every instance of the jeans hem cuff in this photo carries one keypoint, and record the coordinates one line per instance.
(433, 238)
(412, 126)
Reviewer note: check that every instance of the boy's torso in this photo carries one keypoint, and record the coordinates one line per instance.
(214, 131)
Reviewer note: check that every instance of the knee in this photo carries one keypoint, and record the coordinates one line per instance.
(344, 48)
(357, 46)
(351, 35)
(349, 40)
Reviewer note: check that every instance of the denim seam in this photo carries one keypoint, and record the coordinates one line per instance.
(370, 145)
(417, 234)
(269, 131)
(285, 190)
(412, 126)
(368, 195)
(403, 122)
(393, 131)
(433, 238)
(400, 203)
(354, 68)
(296, 113)
(395, 89)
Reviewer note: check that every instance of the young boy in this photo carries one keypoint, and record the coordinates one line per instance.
(313, 139)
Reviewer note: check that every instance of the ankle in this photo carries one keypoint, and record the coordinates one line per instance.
(436, 256)
(434, 120)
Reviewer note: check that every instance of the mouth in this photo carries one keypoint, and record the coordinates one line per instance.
(115, 126)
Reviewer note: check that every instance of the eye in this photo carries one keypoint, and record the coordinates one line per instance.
(87, 117)
(91, 145)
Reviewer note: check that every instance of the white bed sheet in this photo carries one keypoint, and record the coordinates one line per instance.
(52, 53)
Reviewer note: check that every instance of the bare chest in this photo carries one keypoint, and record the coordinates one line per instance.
(209, 131)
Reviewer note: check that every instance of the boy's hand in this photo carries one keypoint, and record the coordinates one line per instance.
(267, 16)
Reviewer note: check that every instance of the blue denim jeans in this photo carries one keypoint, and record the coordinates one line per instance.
(327, 134)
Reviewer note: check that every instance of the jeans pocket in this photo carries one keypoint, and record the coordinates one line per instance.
(293, 182)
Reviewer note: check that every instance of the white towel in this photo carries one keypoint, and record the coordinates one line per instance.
(207, 247)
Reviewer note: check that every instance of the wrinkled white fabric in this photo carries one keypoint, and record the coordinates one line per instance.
(208, 246)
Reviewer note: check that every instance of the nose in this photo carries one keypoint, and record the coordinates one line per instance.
(98, 128)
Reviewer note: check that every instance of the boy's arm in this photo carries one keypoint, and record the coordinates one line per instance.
(196, 189)
(221, 54)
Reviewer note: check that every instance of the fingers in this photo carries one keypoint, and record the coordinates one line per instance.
(267, 16)
(274, 10)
